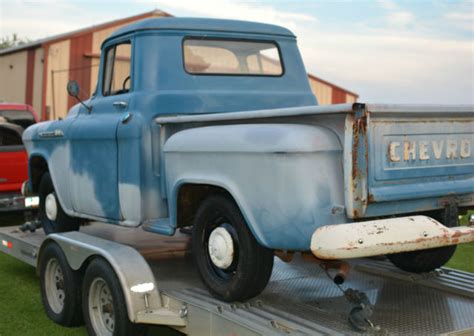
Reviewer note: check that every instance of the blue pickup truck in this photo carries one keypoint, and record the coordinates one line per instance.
(210, 126)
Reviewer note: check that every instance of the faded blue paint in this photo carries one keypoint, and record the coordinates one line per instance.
(288, 165)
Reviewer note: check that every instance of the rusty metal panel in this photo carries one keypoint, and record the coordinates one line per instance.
(356, 162)
(402, 159)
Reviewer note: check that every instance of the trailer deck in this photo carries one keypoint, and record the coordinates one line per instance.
(299, 300)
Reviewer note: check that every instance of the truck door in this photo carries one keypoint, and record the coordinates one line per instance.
(94, 138)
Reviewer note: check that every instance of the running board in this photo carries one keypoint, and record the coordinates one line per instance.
(385, 236)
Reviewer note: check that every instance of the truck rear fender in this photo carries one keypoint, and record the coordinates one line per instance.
(277, 174)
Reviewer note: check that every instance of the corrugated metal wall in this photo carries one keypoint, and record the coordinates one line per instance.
(13, 69)
(329, 94)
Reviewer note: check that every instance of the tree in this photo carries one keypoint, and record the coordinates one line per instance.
(12, 41)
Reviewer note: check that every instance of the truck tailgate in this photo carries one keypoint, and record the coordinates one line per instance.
(401, 159)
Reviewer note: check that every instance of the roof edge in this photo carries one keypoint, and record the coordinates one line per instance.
(78, 32)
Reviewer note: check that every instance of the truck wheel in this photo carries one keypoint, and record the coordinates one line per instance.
(60, 287)
(104, 307)
(424, 260)
(230, 261)
(51, 214)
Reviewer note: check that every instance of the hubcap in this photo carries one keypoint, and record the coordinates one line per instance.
(51, 207)
(101, 307)
(221, 248)
(54, 285)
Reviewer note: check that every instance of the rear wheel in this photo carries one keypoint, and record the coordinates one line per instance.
(60, 287)
(104, 307)
(230, 261)
(51, 214)
(424, 260)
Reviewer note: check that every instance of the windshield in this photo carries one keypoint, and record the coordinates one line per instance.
(18, 117)
(231, 57)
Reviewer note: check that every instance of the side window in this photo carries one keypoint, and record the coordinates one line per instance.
(117, 69)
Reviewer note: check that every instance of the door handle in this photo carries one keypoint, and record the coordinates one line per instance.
(126, 118)
(121, 104)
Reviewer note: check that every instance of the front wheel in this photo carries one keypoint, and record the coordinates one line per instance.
(51, 214)
(230, 261)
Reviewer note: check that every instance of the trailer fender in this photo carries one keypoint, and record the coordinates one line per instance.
(133, 272)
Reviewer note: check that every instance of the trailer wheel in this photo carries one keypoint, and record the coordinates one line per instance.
(104, 307)
(60, 287)
(51, 214)
(424, 260)
(230, 261)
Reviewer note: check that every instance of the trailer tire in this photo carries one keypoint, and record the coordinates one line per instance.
(424, 260)
(239, 269)
(61, 221)
(61, 302)
(102, 290)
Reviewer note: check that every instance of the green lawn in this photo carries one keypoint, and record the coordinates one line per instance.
(463, 259)
(21, 312)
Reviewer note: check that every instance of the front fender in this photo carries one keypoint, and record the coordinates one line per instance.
(285, 178)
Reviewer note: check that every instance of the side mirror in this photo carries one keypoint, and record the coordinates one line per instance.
(73, 90)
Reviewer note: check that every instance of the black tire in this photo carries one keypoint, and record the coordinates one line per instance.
(252, 263)
(63, 222)
(424, 260)
(70, 314)
(100, 270)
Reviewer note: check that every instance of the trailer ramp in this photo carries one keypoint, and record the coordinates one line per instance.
(299, 300)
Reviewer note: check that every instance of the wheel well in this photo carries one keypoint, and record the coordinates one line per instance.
(190, 197)
(38, 166)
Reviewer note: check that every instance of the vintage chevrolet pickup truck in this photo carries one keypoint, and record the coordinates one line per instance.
(210, 125)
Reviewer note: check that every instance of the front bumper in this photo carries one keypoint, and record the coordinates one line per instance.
(385, 236)
(16, 202)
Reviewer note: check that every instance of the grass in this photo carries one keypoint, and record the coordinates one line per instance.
(463, 259)
(21, 311)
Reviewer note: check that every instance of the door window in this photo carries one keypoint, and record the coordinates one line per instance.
(117, 69)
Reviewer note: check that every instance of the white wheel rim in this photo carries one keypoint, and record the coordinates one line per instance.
(221, 248)
(51, 207)
(101, 308)
(54, 286)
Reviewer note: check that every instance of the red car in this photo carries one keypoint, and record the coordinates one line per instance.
(14, 119)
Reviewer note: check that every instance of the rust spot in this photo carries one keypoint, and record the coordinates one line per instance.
(371, 198)
(355, 213)
(457, 233)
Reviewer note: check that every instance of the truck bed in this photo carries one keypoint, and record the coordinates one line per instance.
(300, 298)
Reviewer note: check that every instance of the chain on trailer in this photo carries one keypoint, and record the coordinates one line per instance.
(363, 309)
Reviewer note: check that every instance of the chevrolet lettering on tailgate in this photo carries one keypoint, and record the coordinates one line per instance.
(426, 150)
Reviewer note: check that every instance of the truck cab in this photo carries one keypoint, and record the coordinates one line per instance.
(211, 125)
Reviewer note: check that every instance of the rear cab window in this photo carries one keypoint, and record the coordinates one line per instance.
(206, 56)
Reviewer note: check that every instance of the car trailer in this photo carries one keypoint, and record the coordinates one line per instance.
(160, 286)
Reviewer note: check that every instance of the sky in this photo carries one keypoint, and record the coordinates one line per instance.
(387, 51)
